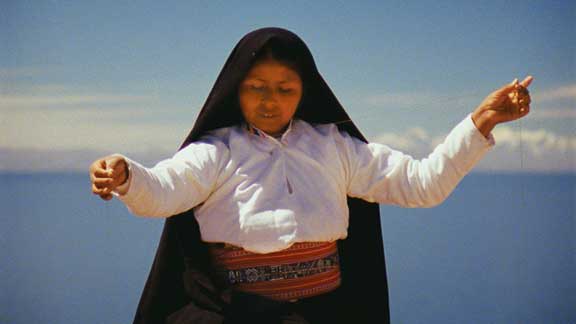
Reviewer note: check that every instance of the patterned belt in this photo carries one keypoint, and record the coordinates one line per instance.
(303, 270)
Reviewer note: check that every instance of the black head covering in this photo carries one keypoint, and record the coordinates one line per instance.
(180, 287)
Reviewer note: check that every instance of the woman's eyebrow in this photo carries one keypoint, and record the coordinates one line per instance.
(283, 81)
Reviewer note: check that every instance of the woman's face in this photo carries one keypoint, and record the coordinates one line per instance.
(269, 96)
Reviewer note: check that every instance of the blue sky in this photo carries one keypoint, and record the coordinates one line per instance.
(82, 79)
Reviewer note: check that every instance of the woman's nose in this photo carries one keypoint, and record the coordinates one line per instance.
(269, 99)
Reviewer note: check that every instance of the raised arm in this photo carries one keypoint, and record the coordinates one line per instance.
(381, 174)
(173, 185)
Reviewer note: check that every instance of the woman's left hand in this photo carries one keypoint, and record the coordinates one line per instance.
(508, 103)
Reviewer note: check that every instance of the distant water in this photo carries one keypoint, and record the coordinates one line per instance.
(501, 249)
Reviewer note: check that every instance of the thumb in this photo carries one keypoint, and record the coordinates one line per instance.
(112, 165)
(113, 162)
(508, 87)
(105, 165)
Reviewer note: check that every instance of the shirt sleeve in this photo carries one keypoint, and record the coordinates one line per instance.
(173, 185)
(380, 174)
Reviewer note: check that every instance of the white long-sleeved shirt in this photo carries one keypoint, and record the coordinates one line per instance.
(261, 193)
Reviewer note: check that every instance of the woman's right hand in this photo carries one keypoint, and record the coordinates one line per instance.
(107, 173)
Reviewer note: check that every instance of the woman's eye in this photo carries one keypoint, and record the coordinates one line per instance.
(286, 90)
(257, 87)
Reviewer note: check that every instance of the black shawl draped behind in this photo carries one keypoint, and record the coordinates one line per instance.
(180, 288)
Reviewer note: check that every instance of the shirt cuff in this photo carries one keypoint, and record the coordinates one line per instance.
(466, 145)
(477, 136)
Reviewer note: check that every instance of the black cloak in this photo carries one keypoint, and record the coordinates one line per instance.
(180, 287)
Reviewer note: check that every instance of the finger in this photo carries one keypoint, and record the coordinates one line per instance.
(526, 82)
(115, 166)
(507, 88)
(96, 190)
(113, 162)
(106, 197)
(101, 173)
(523, 97)
(121, 169)
(103, 182)
(98, 168)
(94, 167)
(100, 191)
(524, 111)
(102, 165)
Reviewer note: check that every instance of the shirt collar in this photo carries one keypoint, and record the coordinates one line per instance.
(260, 133)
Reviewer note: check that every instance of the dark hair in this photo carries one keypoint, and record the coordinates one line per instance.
(281, 52)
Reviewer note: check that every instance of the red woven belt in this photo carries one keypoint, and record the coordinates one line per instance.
(303, 270)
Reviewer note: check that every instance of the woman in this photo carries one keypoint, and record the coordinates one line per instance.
(274, 167)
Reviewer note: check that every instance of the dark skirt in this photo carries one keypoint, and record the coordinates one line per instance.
(247, 308)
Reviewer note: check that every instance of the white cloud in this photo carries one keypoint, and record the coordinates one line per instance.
(414, 140)
(9, 102)
(414, 100)
(109, 130)
(57, 117)
(562, 92)
(61, 140)
(539, 142)
(554, 103)
(404, 99)
(553, 113)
